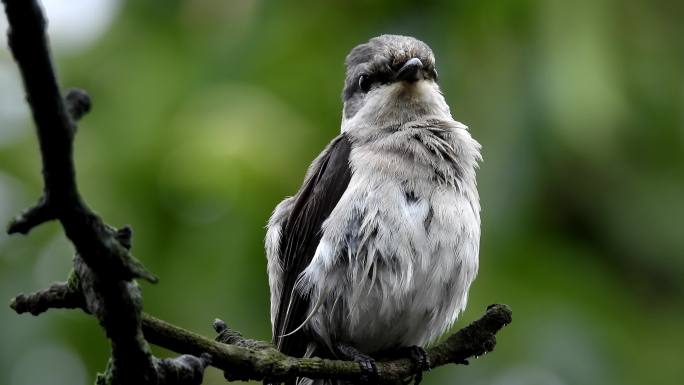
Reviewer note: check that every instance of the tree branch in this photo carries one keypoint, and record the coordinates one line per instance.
(103, 265)
(244, 359)
(103, 280)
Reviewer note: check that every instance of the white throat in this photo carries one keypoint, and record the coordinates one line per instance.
(399, 103)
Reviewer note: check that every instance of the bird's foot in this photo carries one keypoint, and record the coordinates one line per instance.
(369, 370)
(420, 359)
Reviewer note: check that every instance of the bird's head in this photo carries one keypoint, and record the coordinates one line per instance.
(391, 79)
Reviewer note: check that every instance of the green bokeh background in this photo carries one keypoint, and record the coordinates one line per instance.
(207, 113)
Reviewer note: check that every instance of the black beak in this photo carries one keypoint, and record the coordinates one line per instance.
(411, 71)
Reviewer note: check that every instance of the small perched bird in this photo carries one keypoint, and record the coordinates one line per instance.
(376, 252)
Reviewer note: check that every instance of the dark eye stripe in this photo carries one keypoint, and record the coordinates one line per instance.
(383, 75)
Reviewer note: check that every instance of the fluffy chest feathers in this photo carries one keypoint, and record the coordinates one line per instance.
(399, 250)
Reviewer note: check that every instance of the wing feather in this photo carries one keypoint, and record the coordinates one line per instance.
(300, 234)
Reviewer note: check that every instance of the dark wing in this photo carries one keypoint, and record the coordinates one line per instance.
(324, 185)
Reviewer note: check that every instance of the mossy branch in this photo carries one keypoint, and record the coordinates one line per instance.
(244, 359)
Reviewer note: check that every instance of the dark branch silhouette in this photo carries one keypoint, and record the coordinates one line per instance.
(103, 281)
(103, 265)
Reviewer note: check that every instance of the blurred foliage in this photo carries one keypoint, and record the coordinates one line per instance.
(207, 113)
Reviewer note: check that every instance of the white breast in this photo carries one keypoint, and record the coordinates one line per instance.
(400, 249)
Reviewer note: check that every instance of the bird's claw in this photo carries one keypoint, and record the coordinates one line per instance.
(420, 358)
(369, 370)
(421, 362)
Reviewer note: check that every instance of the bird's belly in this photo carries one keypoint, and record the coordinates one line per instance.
(399, 273)
(385, 320)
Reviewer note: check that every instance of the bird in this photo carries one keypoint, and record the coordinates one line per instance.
(375, 253)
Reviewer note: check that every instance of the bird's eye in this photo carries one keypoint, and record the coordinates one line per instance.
(434, 74)
(365, 82)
